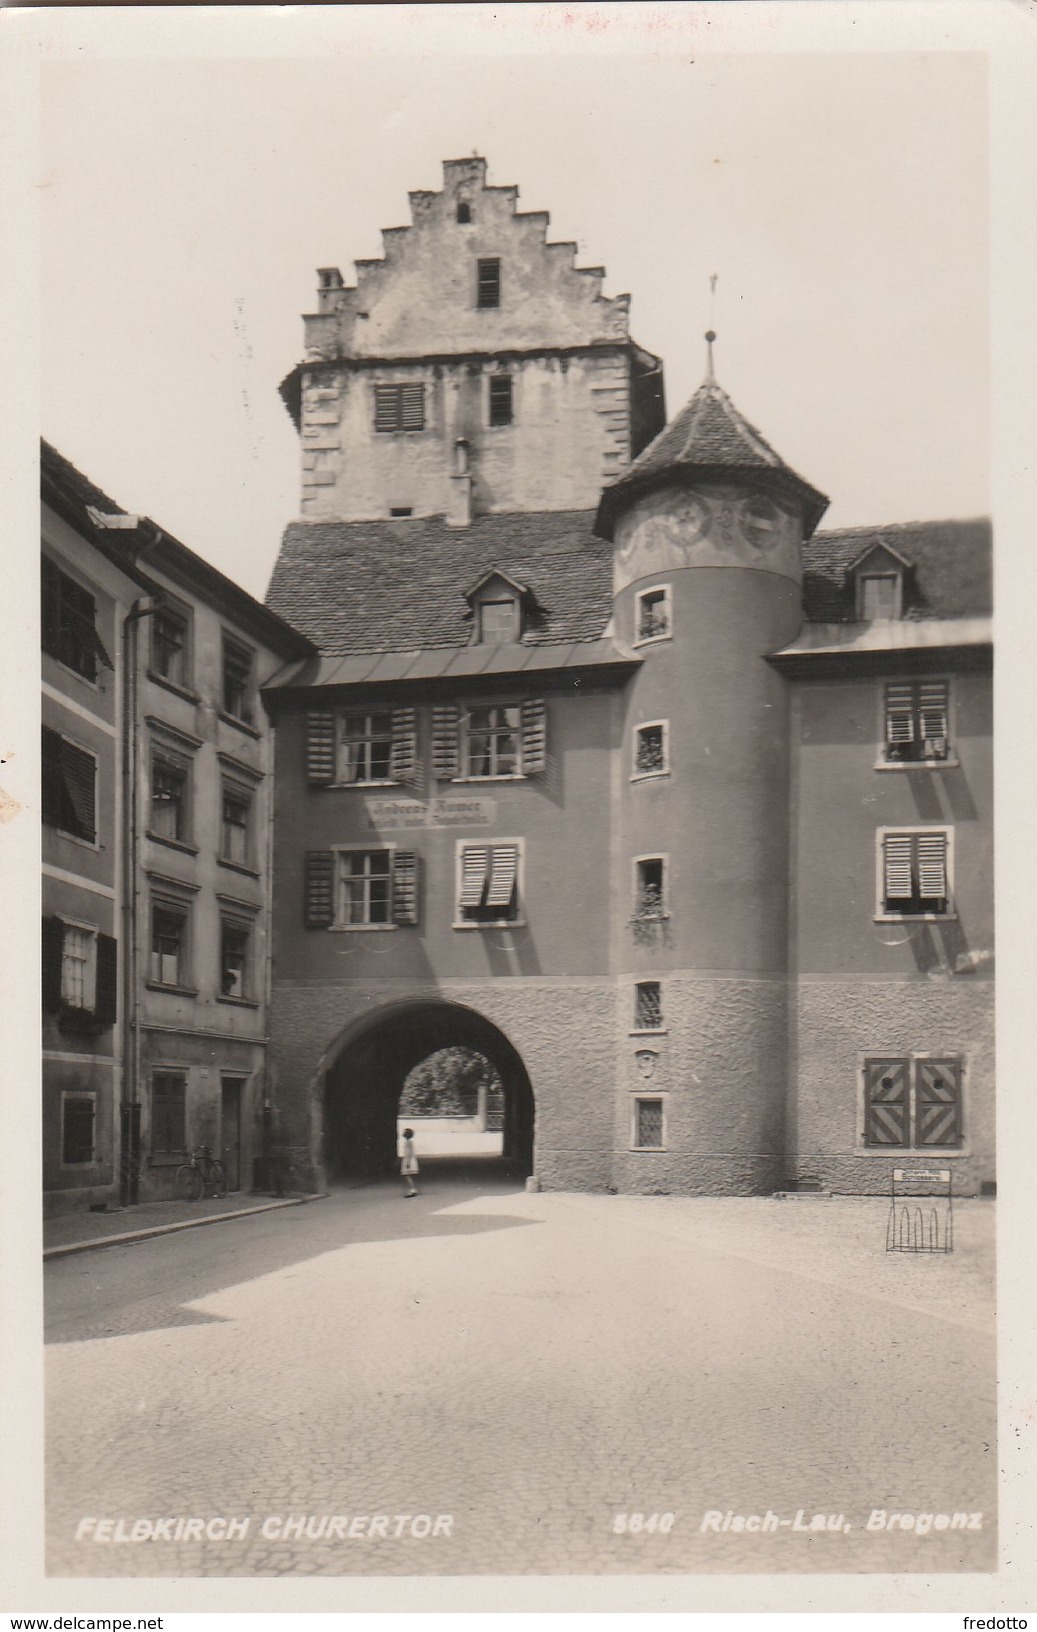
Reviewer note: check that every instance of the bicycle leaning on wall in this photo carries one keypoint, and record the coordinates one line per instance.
(200, 1175)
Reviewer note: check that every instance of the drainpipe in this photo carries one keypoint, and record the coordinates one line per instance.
(128, 1174)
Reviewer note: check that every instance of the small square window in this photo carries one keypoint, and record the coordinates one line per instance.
(169, 657)
(488, 891)
(648, 1006)
(168, 1113)
(492, 741)
(500, 399)
(915, 873)
(169, 800)
(237, 680)
(399, 407)
(77, 1130)
(916, 722)
(236, 806)
(652, 617)
(648, 1124)
(168, 945)
(489, 283)
(650, 750)
(234, 959)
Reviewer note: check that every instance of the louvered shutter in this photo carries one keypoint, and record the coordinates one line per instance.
(897, 867)
(445, 756)
(886, 1103)
(900, 716)
(386, 408)
(106, 1001)
(932, 866)
(932, 712)
(50, 608)
(319, 905)
(79, 772)
(53, 948)
(412, 407)
(52, 787)
(534, 736)
(320, 746)
(405, 887)
(475, 863)
(403, 757)
(503, 869)
(938, 1102)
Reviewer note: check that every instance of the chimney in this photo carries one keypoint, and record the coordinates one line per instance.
(328, 289)
(460, 511)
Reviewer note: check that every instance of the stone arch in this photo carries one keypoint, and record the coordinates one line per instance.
(364, 1070)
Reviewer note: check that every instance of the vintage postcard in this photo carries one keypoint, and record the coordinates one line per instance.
(515, 666)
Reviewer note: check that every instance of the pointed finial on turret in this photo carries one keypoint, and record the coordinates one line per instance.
(711, 332)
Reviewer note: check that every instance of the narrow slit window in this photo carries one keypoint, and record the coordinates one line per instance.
(489, 283)
(648, 1124)
(464, 212)
(500, 399)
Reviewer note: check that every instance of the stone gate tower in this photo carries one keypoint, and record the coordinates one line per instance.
(708, 526)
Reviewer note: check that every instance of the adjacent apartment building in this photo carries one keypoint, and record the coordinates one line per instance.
(610, 763)
(157, 809)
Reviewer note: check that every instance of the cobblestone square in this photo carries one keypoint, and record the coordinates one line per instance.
(482, 1380)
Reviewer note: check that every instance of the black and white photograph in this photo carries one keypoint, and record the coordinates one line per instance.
(515, 665)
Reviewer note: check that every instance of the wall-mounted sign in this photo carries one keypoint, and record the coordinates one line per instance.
(448, 812)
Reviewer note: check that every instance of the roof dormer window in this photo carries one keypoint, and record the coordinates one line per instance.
(879, 595)
(498, 604)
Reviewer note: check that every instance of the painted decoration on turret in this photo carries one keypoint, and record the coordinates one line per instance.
(710, 526)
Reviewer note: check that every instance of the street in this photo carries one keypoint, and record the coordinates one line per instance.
(512, 1383)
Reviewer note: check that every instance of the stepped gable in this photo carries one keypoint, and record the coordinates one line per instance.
(949, 569)
(709, 437)
(399, 585)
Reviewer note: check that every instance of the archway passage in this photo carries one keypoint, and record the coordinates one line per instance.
(365, 1083)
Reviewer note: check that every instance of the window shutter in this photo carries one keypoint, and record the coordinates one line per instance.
(405, 887)
(932, 710)
(534, 736)
(475, 863)
(79, 772)
(885, 1103)
(502, 875)
(900, 726)
(403, 758)
(897, 867)
(445, 757)
(52, 781)
(932, 866)
(320, 747)
(412, 407)
(938, 1102)
(319, 907)
(53, 947)
(386, 408)
(51, 609)
(106, 1001)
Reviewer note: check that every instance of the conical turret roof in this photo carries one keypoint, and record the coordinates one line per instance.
(709, 437)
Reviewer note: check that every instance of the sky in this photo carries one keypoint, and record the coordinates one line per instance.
(839, 198)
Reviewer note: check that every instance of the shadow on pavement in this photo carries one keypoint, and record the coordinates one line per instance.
(147, 1285)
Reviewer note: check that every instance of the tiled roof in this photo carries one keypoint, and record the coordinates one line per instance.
(379, 586)
(950, 574)
(399, 586)
(708, 435)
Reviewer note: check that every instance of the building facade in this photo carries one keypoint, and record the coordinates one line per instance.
(183, 842)
(611, 765)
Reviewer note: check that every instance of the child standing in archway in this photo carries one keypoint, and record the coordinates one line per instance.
(409, 1164)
